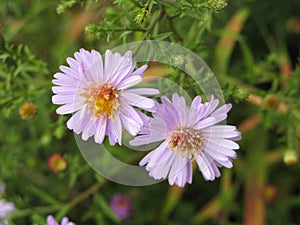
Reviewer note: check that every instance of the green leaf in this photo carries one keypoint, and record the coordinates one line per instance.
(162, 36)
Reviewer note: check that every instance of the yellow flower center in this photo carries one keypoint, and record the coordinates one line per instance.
(103, 99)
(186, 142)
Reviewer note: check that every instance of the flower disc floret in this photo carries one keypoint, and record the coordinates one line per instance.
(186, 142)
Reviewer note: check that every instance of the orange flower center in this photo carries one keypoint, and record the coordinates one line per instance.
(186, 142)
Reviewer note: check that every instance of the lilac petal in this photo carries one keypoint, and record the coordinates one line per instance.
(89, 129)
(95, 71)
(208, 133)
(137, 100)
(205, 167)
(168, 113)
(115, 128)
(100, 130)
(131, 81)
(144, 91)
(192, 117)
(205, 123)
(224, 143)
(65, 90)
(157, 153)
(177, 170)
(222, 128)
(161, 169)
(196, 103)
(68, 108)
(185, 175)
(147, 158)
(72, 62)
(158, 131)
(51, 221)
(124, 71)
(223, 109)
(140, 71)
(108, 64)
(209, 107)
(63, 99)
(218, 148)
(130, 124)
(180, 105)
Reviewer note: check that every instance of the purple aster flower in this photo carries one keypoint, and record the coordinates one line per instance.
(6, 208)
(187, 135)
(52, 221)
(97, 94)
(121, 206)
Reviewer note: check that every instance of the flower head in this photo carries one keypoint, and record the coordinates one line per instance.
(27, 111)
(121, 206)
(187, 135)
(6, 208)
(57, 163)
(52, 221)
(98, 95)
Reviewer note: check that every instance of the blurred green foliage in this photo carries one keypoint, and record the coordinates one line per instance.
(251, 45)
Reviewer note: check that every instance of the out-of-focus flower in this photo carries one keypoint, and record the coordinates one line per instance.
(271, 102)
(57, 163)
(290, 157)
(27, 111)
(293, 25)
(97, 94)
(6, 208)
(188, 135)
(52, 221)
(269, 193)
(121, 206)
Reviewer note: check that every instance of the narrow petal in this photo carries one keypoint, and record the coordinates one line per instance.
(137, 100)
(144, 91)
(100, 130)
(131, 81)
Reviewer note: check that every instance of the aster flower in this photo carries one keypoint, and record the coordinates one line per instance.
(6, 208)
(187, 135)
(121, 206)
(57, 163)
(52, 221)
(98, 95)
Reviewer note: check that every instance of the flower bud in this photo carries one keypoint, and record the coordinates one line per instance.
(271, 102)
(269, 193)
(57, 163)
(293, 25)
(27, 111)
(290, 157)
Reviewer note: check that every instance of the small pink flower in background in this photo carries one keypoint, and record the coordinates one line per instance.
(121, 206)
(57, 163)
(64, 221)
(98, 95)
(6, 208)
(187, 135)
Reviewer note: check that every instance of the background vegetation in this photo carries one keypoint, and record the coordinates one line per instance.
(251, 45)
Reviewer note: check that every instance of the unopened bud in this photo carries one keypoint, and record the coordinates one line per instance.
(290, 157)
(27, 111)
(271, 102)
(293, 25)
(57, 163)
